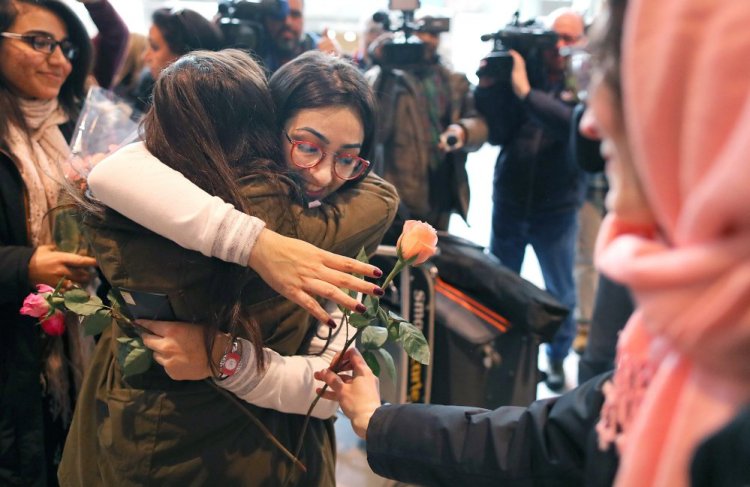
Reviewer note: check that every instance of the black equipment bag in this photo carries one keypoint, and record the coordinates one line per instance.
(480, 275)
(489, 322)
(488, 325)
(481, 359)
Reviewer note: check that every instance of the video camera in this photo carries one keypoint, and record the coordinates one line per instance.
(529, 39)
(243, 21)
(406, 49)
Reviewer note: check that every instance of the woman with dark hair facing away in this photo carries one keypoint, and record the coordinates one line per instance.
(45, 54)
(677, 234)
(149, 428)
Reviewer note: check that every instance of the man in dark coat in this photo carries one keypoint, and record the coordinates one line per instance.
(537, 187)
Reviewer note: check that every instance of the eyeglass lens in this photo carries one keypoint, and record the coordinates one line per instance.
(346, 166)
(47, 45)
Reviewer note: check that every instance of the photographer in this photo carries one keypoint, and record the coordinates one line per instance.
(288, 38)
(428, 124)
(537, 189)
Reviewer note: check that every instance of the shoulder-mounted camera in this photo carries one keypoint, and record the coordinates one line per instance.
(529, 39)
(243, 21)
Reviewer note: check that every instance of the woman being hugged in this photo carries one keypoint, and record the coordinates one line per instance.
(149, 428)
(44, 61)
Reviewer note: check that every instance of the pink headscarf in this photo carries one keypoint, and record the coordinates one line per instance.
(683, 365)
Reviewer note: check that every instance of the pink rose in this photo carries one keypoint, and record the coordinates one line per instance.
(43, 288)
(55, 324)
(418, 240)
(35, 305)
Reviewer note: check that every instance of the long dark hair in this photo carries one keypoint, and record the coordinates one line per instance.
(73, 89)
(606, 43)
(213, 120)
(186, 30)
(318, 80)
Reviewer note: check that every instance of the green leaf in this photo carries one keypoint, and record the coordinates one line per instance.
(383, 317)
(133, 356)
(373, 337)
(388, 361)
(360, 321)
(393, 331)
(394, 326)
(362, 256)
(414, 343)
(96, 323)
(78, 301)
(372, 304)
(397, 318)
(372, 362)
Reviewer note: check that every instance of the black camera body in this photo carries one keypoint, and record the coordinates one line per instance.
(406, 49)
(530, 40)
(243, 21)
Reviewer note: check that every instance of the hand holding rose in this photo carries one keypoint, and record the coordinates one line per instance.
(358, 394)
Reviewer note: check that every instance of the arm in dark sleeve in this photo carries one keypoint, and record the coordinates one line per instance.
(551, 113)
(502, 112)
(14, 273)
(541, 445)
(111, 43)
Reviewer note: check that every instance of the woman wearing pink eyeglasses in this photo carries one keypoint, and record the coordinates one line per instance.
(216, 127)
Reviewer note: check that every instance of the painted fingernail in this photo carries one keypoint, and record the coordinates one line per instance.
(378, 291)
(331, 323)
(377, 273)
(360, 308)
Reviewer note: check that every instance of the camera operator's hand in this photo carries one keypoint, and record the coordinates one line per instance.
(375, 49)
(329, 45)
(518, 78)
(453, 138)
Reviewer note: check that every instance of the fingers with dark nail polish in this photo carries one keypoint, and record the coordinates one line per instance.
(331, 323)
(377, 273)
(378, 291)
(360, 308)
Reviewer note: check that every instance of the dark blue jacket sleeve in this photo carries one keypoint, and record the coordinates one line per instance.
(550, 443)
(502, 110)
(552, 114)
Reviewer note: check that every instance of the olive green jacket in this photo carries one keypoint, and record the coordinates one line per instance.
(150, 430)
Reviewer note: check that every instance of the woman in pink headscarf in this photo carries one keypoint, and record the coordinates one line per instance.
(675, 130)
(683, 247)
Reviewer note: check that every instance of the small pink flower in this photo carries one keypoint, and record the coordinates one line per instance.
(35, 305)
(43, 288)
(55, 324)
(418, 240)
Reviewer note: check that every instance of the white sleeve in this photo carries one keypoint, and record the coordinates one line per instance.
(138, 185)
(288, 384)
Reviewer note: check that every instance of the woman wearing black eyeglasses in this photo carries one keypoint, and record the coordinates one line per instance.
(45, 56)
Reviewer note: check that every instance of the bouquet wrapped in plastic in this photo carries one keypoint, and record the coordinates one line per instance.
(106, 123)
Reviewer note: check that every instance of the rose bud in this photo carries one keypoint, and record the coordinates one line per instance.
(55, 324)
(418, 240)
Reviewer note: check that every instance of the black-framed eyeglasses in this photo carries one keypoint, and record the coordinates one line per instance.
(308, 155)
(44, 43)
